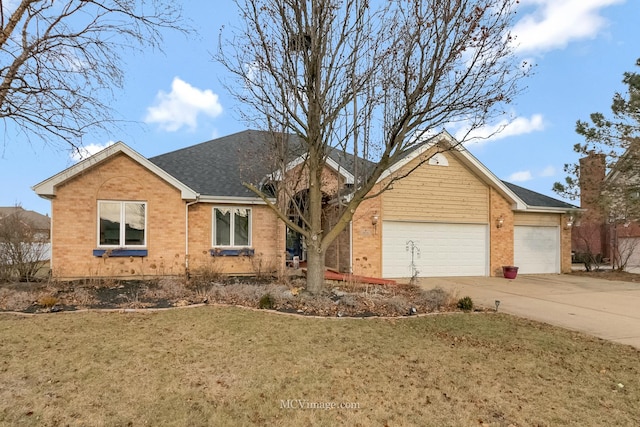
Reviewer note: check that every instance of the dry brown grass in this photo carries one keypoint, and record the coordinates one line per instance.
(229, 366)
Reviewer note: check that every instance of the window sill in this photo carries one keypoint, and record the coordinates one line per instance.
(120, 252)
(232, 252)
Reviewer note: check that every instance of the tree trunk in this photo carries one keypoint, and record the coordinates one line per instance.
(315, 249)
(315, 270)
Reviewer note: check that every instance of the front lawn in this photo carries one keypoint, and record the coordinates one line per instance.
(222, 366)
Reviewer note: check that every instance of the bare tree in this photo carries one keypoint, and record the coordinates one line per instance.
(623, 249)
(60, 61)
(588, 238)
(24, 246)
(368, 79)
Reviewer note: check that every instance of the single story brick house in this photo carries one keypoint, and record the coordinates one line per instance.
(120, 214)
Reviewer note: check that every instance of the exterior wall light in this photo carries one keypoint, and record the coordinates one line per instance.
(374, 223)
(500, 221)
(569, 223)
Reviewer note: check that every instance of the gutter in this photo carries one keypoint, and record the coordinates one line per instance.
(541, 209)
(230, 199)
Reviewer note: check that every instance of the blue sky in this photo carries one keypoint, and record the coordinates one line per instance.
(176, 99)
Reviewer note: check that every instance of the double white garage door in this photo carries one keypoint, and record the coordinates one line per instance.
(436, 250)
(439, 249)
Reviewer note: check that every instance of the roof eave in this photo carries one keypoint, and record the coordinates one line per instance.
(233, 200)
(545, 209)
(334, 165)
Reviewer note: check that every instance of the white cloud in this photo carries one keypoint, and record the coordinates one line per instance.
(181, 106)
(548, 171)
(88, 151)
(502, 129)
(527, 175)
(520, 176)
(555, 23)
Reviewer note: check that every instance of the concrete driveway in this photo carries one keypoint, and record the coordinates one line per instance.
(606, 309)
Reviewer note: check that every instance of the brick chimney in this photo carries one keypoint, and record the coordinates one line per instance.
(592, 173)
(591, 235)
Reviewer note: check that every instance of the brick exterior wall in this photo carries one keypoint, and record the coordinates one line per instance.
(75, 227)
(338, 254)
(75, 216)
(565, 244)
(367, 238)
(75, 222)
(501, 239)
(267, 238)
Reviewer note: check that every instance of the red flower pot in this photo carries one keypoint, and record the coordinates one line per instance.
(509, 271)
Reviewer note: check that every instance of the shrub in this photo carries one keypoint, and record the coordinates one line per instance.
(465, 304)
(48, 301)
(83, 297)
(263, 269)
(436, 298)
(207, 274)
(399, 304)
(15, 300)
(166, 289)
(266, 302)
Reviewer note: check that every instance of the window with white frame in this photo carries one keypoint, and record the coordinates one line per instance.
(122, 224)
(231, 226)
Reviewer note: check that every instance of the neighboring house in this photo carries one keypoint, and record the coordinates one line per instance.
(606, 229)
(120, 214)
(40, 224)
(35, 227)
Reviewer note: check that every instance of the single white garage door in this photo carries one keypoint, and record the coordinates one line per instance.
(440, 249)
(536, 249)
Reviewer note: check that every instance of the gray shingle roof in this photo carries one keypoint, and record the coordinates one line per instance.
(532, 198)
(220, 166)
(35, 219)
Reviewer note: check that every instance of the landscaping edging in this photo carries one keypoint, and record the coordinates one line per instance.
(283, 313)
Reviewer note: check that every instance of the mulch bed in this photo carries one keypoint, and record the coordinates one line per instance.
(338, 300)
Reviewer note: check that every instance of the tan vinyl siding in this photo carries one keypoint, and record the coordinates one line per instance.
(438, 193)
(542, 219)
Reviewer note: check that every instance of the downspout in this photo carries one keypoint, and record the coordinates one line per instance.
(351, 246)
(186, 233)
(51, 240)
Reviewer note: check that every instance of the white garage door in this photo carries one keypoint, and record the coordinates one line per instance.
(629, 248)
(440, 249)
(536, 249)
